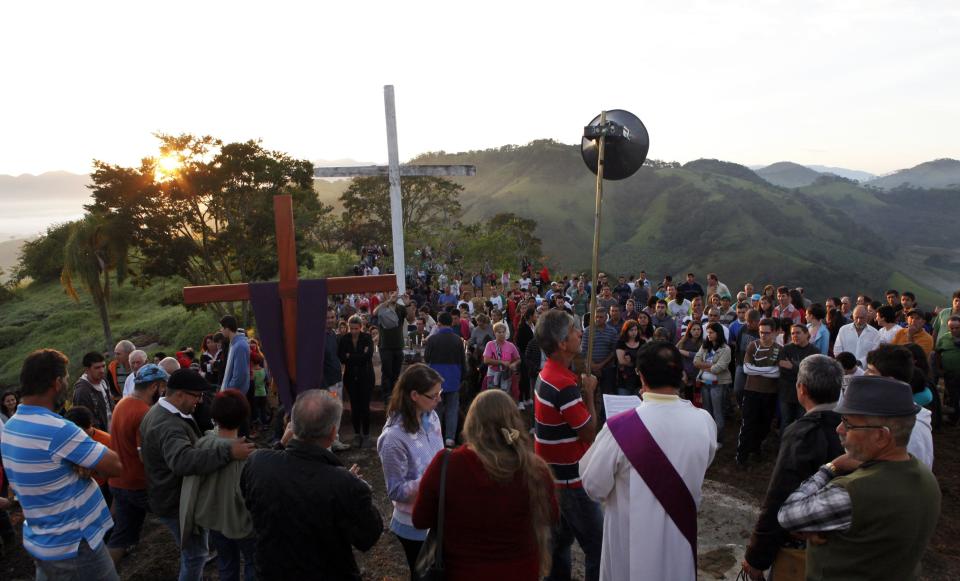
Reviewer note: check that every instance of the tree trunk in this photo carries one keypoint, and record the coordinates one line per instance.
(105, 320)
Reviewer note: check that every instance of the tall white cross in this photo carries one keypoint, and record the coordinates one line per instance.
(394, 171)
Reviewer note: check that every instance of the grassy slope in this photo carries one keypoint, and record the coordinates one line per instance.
(844, 194)
(45, 317)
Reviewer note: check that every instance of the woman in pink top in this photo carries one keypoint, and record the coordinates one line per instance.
(503, 361)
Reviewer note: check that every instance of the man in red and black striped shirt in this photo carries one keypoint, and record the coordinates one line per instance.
(565, 427)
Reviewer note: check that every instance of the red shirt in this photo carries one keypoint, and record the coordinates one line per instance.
(125, 441)
(559, 412)
(488, 530)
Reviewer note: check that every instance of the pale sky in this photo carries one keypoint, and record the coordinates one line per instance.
(870, 85)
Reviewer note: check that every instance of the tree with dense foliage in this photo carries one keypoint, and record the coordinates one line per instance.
(41, 259)
(203, 209)
(429, 204)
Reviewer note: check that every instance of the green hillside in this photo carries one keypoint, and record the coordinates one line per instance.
(843, 193)
(919, 223)
(705, 216)
(43, 316)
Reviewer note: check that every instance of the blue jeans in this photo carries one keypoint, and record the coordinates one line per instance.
(712, 396)
(450, 413)
(88, 565)
(193, 554)
(130, 508)
(580, 518)
(228, 556)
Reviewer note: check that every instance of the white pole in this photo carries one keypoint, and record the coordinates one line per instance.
(396, 204)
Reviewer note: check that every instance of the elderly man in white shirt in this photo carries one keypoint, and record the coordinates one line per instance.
(137, 360)
(857, 337)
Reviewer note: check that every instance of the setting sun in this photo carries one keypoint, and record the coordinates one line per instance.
(167, 165)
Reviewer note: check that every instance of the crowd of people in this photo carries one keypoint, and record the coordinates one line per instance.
(497, 449)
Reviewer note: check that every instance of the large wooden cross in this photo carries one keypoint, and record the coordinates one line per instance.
(393, 171)
(287, 261)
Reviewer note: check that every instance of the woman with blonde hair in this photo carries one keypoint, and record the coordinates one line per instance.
(499, 500)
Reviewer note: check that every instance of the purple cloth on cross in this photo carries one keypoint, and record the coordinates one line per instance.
(311, 332)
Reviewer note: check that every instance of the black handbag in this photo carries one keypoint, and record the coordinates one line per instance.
(430, 560)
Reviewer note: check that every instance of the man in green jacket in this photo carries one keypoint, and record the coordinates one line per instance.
(169, 436)
(870, 513)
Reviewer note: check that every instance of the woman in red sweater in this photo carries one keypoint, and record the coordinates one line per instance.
(500, 502)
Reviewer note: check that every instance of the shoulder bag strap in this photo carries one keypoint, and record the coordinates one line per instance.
(440, 516)
(649, 460)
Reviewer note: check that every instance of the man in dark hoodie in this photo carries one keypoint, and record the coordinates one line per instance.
(808, 443)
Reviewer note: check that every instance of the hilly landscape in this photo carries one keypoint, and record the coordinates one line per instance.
(709, 215)
(784, 222)
(940, 173)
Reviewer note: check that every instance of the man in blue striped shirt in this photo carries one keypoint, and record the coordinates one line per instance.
(49, 461)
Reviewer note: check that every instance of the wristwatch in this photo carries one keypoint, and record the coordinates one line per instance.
(831, 468)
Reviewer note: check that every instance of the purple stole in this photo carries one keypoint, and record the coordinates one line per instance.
(657, 472)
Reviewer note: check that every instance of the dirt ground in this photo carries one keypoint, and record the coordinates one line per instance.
(157, 558)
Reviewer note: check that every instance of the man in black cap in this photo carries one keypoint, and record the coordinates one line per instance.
(870, 513)
(169, 435)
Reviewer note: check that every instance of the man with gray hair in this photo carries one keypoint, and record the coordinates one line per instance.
(870, 513)
(119, 369)
(806, 444)
(565, 424)
(137, 359)
(308, 509)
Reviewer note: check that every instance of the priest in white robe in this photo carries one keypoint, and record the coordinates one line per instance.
(640, 539)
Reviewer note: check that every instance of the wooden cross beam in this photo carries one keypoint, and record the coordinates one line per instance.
(393, 171)
(287, 261)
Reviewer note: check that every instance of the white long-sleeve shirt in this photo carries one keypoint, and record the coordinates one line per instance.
(859, 345)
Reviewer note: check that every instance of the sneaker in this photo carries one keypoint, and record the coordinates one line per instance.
(449, 443)
(339, 446)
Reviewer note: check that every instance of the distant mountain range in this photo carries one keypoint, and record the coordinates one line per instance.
(940, 173)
